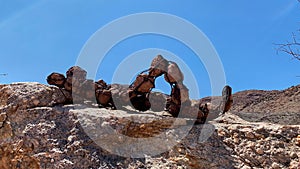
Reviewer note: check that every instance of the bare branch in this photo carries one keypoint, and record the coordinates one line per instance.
(291, 47)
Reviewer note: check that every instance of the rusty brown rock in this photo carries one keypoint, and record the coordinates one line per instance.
(139, 101)
(138, 93)
(104, 97)
(56, 79)
(68, 84)
(101, 84)
(143, 83)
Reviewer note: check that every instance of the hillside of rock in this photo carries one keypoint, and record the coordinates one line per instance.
(275, 101)
(275, 106)
(40, 129)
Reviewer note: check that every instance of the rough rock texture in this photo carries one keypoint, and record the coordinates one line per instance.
(267, 101)
(38, 130)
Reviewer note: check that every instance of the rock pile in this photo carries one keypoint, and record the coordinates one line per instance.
(139, 92)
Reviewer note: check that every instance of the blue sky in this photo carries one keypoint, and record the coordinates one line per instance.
(38, 37)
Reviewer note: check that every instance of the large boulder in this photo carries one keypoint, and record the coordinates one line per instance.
(38, 130)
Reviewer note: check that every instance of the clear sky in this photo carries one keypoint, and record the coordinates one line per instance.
(38, 37)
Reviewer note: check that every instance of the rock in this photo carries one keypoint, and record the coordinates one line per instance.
(36, 102)
(77, 73)
(41, 129)
(298, 140)
(158, 101)
(174, 74)
(75, 78)
(227, 99)
(249, 135)
(120, 95)
(246, 167)
(143, 83)
(260, 151)
(6, 131)
(279, 104)
(159, 66)
(293, 155)
(104, 97)
(2, 118)
(276, 166)
(17, 154)
(184, 92)
(140, 102)
(88, 91)
(294, 165)
(56, 79)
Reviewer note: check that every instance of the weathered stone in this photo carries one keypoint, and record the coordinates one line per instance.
(143, 83)
(260, 151)
(250, 135)
(56, 79)
(158, 101)
(104, 97)
(75, 78)
(3, 118)
(18, 154)
(159, 66)
(6, 131)
(77, 73)
(120, 95)
(298, 140)
(227, 99)
(174, 74)
(276, 166)
(184, 92)
(40, 131)
(86, 90)
(139, 101)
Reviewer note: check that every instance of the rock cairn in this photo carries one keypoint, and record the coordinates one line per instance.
(138, 94)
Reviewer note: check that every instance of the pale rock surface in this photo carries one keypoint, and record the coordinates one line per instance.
(38, 129)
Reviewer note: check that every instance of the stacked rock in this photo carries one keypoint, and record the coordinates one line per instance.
(103, 94)
(81, 88)
(139, 92)
(177, 104)
(75, 82)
